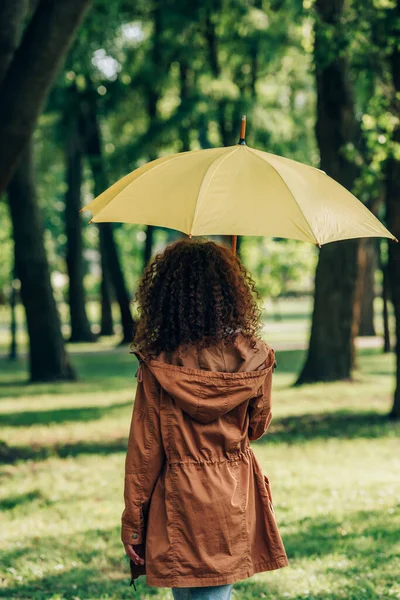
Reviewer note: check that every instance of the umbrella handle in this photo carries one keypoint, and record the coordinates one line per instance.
(243, 131)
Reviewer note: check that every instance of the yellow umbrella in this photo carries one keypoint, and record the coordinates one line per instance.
(237, 190)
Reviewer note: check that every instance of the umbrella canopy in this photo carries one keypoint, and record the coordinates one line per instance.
(237, 190)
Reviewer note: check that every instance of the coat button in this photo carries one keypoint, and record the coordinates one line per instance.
(135, 536)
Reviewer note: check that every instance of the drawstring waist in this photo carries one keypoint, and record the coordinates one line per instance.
(233, 456)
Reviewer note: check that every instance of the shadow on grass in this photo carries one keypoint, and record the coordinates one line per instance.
(107, 371)
(115, 371)
(341, 424)
(17, 389)
(14, 501)
(365, 543)
(84, 583)
(374, 362)
(86, 565)
(63, 415)
(290, 430)
(369, 535)
(14, 454)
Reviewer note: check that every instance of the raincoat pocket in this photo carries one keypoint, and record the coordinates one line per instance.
(269, 494)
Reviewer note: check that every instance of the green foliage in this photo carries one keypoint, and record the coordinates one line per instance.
(173, 76)
(281, 267)
(165, 77)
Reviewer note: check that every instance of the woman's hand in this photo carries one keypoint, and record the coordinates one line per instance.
(132, 553)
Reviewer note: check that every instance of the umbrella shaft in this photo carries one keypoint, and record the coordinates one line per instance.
(234, 240)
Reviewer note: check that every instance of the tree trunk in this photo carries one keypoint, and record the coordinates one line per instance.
(117, 277)
(13, 353)
(12, 14)
(359, 290)
(48, 358)
(365, 288)
(148, 245)
(152, 98)
(108, 244)
(203, 132)
(212, 42)
(106, 319)
(185, 125)
(239, 241)
(331, 349)
(30, 73)
(387, 346)
(80, 326)
(393, 210)
(393, 205)
(367, 264)
(331, 353)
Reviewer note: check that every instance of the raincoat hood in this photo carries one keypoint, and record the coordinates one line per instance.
(207, 395)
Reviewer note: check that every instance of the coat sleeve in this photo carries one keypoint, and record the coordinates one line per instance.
(144, 458)
(260, 413)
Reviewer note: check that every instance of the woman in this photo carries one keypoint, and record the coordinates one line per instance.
(198, 509)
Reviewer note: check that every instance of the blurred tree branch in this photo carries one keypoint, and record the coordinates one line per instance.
(31, 69)
(12, 13)
(331, 353)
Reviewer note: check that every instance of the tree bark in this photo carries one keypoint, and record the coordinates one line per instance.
(393, 210)
(367, 264)
(387, 346)
(47, 355)
(393, 201)
(30, 73)
(152, 98)
(148, 245)
(80, 326)
(106, 319)
(118, 280)
(212, 42)
(185, 125)
(12, 13)
(13, 353)
(107, 241)
(331, 349)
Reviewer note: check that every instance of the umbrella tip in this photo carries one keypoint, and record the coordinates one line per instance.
(243, 131)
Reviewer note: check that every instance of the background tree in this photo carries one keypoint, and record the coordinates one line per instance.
(331, 350)
(393, 190)
(28, 70)
(73, 126)
(48, 358)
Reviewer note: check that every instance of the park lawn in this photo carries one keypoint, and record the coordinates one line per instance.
(331, 456)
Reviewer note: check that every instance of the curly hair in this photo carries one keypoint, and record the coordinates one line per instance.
(195, 292)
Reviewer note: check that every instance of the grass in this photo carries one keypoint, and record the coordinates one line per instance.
(331, 455)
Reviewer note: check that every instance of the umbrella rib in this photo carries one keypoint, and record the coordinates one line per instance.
(208, 184)
(168, 159)
(290, 191)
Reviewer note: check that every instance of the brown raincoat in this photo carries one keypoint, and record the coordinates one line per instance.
(196, 499)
